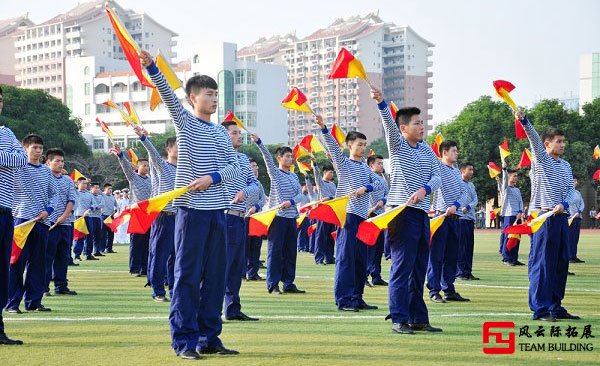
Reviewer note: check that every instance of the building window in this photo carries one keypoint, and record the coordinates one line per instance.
(240, 77)
(120, 142)
(86, 70)
(87, 88)
(250, 119)
(87, 109)
(98, 144)
(251, 77)
(251, 97)
(196, 59)
(240, 98)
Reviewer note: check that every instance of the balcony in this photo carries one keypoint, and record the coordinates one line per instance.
(429, 95)
(429, 85)
(173, 43)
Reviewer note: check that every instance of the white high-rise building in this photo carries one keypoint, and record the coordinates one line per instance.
(85, 30)
(251, 90)
(396, 59)
(8, 29)
(589, 78)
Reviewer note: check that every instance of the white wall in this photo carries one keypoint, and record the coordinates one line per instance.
(585, 79)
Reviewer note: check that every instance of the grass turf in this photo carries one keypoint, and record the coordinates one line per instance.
(114, 322)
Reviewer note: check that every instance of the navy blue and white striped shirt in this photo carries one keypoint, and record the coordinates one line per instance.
(376, 196)
(534, 201)
(84, 201)
(326, 188)
(577, 206)
(65, 193)
(452, 192)
(555, 176)
(245, 181)
(258, 200)
(472, 201)
(109, 205)
(352, 175)
(163, 179)
(140, 187)
(512, 201)
(34, 192)
(285, 186)
(412, 168)
(96, 212)
(204, 148)
(12, 157)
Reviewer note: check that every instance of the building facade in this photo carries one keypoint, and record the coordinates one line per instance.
(589, 78)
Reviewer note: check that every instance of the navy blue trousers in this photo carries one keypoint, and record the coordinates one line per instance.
(464, 263)
(6, 236)
(312, 240)
(93, 242)
(441, 269)
(107, 236)
(33, 259)
(510, 256)
(324, 244)
(78, 249)
(197, 302)
(408, 237)
(374, 255)
(574, 230)
(350, 265)
(303, 239)
(235, 255)
(548, 266)
(281, 255)
(253, 246)
(58, 255)
(161, 256)
(138, 252)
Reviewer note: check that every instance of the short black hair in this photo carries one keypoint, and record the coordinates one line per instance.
(107, 185)
(95, 184)
(353, 135)
(465, 165)
(282, 150)
(228, 124)
(31, 139)
(371, 159)
(142, 160)
(551, 133)
(198, 82)
(56, 151)
(446, 145)
(252, 160)
(575, 177)
(404, 115)
(327, 168)
(81, 178)
(171, 141)
(0, 91)
(511, 171)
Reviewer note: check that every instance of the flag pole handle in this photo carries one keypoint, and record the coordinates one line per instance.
(369, 82)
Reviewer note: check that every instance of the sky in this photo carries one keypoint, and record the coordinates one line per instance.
(534, 44)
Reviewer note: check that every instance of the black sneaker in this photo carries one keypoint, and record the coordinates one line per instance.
(275, 291)
(65, 291)
(78, 257)
(379, 282)
(365, 306)
(91, 258)
(546, 318)
(14, 311)
(9, 342)
(160, 298)
(473, 278)
(437, 298)
(402, 328)
(517, 263)
(221, 350)
(74, 264)
(424, 327)
(292, 289)
(455, 297)
(348, 308)
(569, 316)
(40, 308)
(463, 278)
(189, 355)
(368, 284)
(98, 254)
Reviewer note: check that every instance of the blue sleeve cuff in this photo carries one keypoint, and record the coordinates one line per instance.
(383, 200)
(427, 188)
(525, 121)
(293, 202)
(468, 207)
(216, 177)
(121, 155)
(49, 210)
(382, 105)
(330, 197)
(143, 138)
(257, 207)
(457, 204)
(579, 212)
(565, 205)
(369, 188)
(325, 130)
(73, 202)
(259, 142)
(152, 69)
(520, 211)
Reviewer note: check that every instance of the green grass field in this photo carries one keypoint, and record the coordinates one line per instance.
(114, 322)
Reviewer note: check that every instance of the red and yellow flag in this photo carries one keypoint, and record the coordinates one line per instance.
(513, 241)
(494, 213)
(230, 117)
(393, 110)
(596, 175)
(261, 222)
(525, 159)
(80, 229)
(338, 135)
(75, 175)
(170, 77)
(133, 156)
(145, 212)
(434, 225)
(300, 152)
(332, 211)
(597, 152)
(347, 66)
(311, 229)
(334, 235)
(19, 239)
(439, 138)
(133, 116)
(504, 152)
(519, 130)
(297, 101)
(130, 48)
(528, 227)
(503, 88)
(371, 152)
(369, 230)
(124, 116)
(303, 167)
(119, 219)
(300, 220)
(311, 144)
(493, 169)
(105, 129)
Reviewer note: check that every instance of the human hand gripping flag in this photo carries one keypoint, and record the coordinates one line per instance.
(331, 211)
(20, 235)
(348, 66)
(143, 213)
(528, 227)
(369, 230)
(504, 152)
(297, 101)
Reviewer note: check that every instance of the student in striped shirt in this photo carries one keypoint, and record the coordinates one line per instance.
(549, 251)
(355, 179)
(58, 251)
(161, 259)
(451, 196)
(253, 243)
(84, 204)
(309, 196)
(109, 208)
(375, 253)
(512, 210)
(324, 243)
(285, 193)
(12, 157)
(464, 264)
(94, 239)
(206, 161)
(140, 187)
(240, 189)
(575, 210)
(35, 199)
(415, 173)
